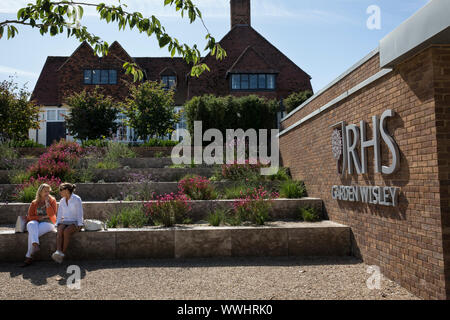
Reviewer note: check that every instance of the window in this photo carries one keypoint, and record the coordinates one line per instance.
(61, 114)
(170, 82)
(100, 76)
(253, 82)
(236, 82)
(271, 81)
(51, 115)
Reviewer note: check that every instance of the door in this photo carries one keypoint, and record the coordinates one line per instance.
(55, 132)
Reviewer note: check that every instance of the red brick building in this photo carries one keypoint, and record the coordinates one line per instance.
(401, 91)
(252, 66)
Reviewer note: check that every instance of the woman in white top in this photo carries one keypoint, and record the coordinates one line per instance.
(69, 219)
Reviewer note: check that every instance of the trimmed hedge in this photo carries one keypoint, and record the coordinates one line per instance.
(249, 112)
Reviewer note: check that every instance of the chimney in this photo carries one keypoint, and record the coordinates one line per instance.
(240, 12)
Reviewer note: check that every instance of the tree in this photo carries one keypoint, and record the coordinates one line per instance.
(92, 115)
(295, 99)
(150, 110)
(17, 113)
(55, 17)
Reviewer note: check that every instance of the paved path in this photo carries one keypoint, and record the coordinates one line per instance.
(228, 278)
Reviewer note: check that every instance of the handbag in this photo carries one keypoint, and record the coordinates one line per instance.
(93, 225)
(21, 224)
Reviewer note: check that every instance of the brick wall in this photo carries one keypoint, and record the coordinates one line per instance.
(441, 64)
(406, 241)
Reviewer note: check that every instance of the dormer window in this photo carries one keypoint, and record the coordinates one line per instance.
(170, 82)
(97, 76)
(253, 82)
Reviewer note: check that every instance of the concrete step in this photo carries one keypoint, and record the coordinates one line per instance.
(24, 163)
(281, 208)
(119, 190)
(324, 238)
(124, 175)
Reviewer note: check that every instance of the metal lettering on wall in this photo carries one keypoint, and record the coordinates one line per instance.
(344, 140)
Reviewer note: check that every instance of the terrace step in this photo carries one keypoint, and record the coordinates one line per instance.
(123, 175)
(119, 190)
(24, 163)
(324, 238)
(281, 208)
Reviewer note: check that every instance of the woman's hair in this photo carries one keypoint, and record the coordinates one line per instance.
(67, 186)
(39, 190)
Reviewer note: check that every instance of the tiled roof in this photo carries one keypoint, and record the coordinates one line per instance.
(46, 90)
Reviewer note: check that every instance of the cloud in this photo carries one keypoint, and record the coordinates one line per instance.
(12, 71)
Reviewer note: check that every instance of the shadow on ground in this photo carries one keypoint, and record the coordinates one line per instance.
(39, 272)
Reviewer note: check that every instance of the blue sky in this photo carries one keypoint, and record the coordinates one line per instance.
(323, 37)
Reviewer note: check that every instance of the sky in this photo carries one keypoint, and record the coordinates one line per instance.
(323, 37)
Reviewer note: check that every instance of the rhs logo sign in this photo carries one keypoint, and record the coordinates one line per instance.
(345, 140)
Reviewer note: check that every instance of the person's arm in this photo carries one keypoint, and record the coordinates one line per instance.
(58, 214)
(32, 214)
(79, 211)
(53, 209)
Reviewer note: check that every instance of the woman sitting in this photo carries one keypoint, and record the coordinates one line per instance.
(69, 219)
(41, 219)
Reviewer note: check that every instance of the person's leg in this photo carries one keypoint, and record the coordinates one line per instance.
(45, 227)
(33, 236)
(68, 232)
(60, 237)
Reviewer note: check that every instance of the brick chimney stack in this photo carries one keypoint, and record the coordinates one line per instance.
(240, 12)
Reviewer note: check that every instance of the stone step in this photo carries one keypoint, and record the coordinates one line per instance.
(281, 208)
(324, 238)
(119, 190)
(24, 163)
(123, 175)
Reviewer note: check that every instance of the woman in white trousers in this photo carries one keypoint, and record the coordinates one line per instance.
(41, 219)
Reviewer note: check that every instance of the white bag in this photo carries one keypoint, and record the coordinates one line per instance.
(93, 225)
(21, 224)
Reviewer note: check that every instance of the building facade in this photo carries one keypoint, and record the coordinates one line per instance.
(374, 145)
(252, 66)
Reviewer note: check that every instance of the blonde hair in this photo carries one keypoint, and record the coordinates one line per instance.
(39, 190)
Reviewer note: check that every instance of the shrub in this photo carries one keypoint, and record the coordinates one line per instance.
(236, 172)
(237, 191)
(292, 189)
(217, 217)
(142, 188)
(281, 175)
(296, 99)
(254, 206)
(154, 142)
(97, 143)
(117, 150)
(159, 154)
(58, 161)
(8, 154)
(309, 215)
(168, 209)
(26, 192)
(132, 217)
(197, 188)
(20, 177)
(24, 144)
